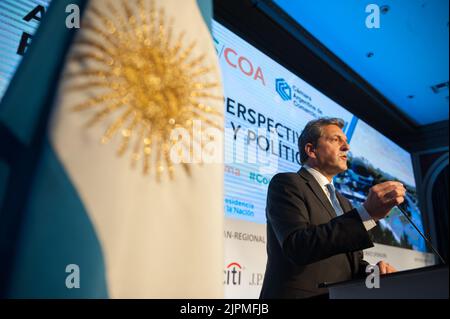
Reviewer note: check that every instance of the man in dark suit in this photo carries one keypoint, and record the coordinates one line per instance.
(314, 234)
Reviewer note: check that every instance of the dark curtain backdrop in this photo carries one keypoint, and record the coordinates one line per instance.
(441, 211)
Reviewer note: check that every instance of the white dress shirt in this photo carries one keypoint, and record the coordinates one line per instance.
(367, 220)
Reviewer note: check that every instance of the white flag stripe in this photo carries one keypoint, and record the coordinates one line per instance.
(160, 239)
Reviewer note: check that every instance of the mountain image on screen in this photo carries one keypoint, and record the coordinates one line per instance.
(394, 230)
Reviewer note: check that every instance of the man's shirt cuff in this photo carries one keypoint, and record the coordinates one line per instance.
(367, 220)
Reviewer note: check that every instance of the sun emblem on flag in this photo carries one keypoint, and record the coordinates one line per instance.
(144, 80)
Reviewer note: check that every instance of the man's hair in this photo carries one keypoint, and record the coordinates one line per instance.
(313, 131)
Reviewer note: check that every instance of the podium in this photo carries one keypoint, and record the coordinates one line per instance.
(423, 283)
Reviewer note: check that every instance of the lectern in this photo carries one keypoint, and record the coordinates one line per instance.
(423, 283)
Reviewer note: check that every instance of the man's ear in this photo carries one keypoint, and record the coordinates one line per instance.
(310, 150)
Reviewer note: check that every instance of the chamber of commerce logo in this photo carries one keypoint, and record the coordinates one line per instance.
(283, 89)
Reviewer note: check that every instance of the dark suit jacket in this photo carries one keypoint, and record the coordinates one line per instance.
(307, 244)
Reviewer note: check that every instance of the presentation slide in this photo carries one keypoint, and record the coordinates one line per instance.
(266, 108)
(19, 20)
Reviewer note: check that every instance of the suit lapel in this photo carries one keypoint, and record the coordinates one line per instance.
(345, 204)
(318, 191)
(320, 194)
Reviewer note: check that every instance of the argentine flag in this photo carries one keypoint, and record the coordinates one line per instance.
(108, 211)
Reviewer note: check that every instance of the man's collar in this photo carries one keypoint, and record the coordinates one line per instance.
(318, 176)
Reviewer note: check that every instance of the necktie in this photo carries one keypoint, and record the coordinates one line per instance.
(334, 201)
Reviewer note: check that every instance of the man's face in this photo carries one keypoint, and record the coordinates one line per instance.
(331, 150)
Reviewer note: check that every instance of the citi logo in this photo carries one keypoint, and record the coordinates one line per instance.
(283, 89)
(233, 274)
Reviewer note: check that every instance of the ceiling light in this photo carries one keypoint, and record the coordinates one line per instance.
(384, 9)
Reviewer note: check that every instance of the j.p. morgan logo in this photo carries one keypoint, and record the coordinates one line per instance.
(233, 274)
(283, 89)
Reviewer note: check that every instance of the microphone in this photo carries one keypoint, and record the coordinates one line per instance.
(421, 234)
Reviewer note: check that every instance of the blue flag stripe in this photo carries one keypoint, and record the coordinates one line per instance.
(56, 231)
